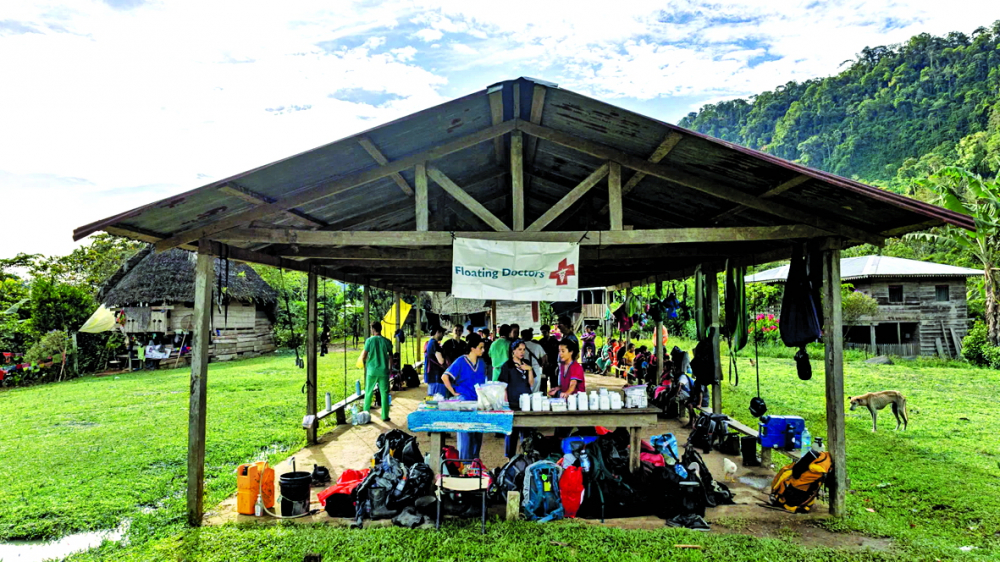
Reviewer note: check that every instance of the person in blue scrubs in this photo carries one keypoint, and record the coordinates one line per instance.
(461, 379)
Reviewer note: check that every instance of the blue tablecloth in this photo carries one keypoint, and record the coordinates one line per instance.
(442, 421)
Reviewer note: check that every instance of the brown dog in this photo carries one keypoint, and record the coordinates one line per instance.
(875, 401)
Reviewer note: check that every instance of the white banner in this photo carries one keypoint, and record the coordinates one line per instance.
(515, 271)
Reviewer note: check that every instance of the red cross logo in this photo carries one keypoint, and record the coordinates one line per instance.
(565, 270)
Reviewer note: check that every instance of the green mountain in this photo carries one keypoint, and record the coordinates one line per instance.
(894, 114)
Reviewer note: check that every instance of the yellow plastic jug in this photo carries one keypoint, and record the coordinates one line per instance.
(251, 479)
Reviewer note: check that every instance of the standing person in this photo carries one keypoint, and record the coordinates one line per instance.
(456, 346)
(571, 376)
(500, 351)
(519, 376)
(589, 346)
(484, 334)
(536, 356)
(470, 331)
(551, 346)
(566, 329)
(460, 380)
(434, 363)
(376, 358)
(515, 332)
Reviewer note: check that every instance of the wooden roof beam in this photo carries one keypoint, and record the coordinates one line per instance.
(569, 199)
(377, 155)
(776, 190)
(661, 152)
(585, 238)
(465, 199)
(254, 198)
(699, 184)
(333, 187)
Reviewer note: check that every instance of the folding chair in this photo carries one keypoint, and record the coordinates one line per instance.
(468, 483)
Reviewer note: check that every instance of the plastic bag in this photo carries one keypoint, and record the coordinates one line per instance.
(492, 395)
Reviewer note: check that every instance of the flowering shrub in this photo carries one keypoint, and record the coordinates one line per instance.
(764, 329)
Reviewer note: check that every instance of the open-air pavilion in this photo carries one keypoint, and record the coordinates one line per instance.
(523, 160)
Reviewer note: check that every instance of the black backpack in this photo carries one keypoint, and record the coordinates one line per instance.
(403, 446)
(709, 430)
(607, 494)
(716, 493)
(410, 376)
(509, 477)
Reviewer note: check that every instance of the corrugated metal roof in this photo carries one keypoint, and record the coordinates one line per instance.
(551, 171)
(875, 266)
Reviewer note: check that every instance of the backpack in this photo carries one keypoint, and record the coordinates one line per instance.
(338, 500)
(542, 500)
(796, 486)
(716, 493)
(510, 477)
(709, 429)
(410, 376)
(571, 490)
(607, 494)
(402, 446)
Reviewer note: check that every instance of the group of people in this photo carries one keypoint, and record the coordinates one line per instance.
(551, 365)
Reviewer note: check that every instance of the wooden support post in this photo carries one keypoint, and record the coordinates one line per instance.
(658, 336)
(635, 444)
(366, 299)
(873, 344)
(421, 197)
(311, 356)
(418, 330)
(397, 327)
(615, 195)
(712, 290)
(204, 279)
(833, 339)
(493, 318)
(517, 178)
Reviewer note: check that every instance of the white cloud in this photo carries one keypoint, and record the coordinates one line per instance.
(429, 35)
(103, 109)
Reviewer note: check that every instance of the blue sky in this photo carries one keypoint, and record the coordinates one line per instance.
(107, 105)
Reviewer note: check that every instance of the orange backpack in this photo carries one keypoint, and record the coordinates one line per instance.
(796, 486)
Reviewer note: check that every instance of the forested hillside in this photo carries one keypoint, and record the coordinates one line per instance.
(895, 114)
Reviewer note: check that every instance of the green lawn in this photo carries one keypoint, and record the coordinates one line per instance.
(85, 454)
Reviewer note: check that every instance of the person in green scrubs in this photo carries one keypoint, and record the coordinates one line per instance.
(377, 357)
(500, 351)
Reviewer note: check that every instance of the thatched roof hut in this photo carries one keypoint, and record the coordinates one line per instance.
(168, 277)
(156, 293)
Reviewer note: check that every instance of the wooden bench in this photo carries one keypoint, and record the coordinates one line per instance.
(339, 408)
(765, 452)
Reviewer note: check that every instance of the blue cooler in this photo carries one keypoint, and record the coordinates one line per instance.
(781, 432)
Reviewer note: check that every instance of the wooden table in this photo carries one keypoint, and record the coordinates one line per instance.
(632, 418)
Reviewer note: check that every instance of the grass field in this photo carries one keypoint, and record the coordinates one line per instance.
(87, 453)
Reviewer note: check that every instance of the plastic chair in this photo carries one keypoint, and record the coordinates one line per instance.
(464, 484)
